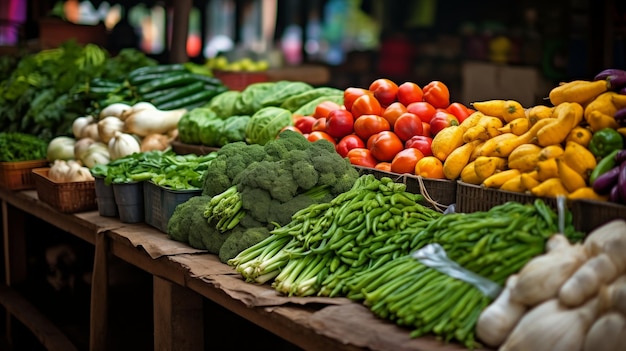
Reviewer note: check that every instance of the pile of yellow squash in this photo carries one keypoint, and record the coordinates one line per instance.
(541, 150)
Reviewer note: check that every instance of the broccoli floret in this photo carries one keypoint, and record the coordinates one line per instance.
(257, 202)
(305, 174)
(282, 213)
(248, 221)
(239, 241)
(293, 140)
(179, 223)
(231, 160)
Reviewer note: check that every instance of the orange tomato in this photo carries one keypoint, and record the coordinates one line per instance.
(437, 94)
(424, 110)
(429, 167)
(323, 109)
(384, 145)
(366, 104)
(361, 157)
(352, 93)
(409, 92)
(393, 111)
(368, 125)
(385, 90)
(319, 135)
(405, 161)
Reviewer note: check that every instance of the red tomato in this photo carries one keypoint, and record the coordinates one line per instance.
(323, 108)
(348, 143)
(368, 125)
(351, 94)
(405, 161)
(384, 145)
(420, 142)
(385, 90)
(437, 94)
(393, 111)
(319, 125)
(339, 123)
(361, 157)
(441, 120)
(459, 110)
(305, 123)
(319, 135)
(408, 125)
(409, 92)
(426, 131)
(366, 104)
(424, 110)
(383, 166)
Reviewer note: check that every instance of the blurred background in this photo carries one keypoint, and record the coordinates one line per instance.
(481, 50)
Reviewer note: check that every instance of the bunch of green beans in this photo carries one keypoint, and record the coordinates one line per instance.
(493, 244)
(362, 228)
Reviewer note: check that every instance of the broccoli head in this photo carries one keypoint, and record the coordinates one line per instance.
(257, 202)
(241, 240)
(281, 213)
(231, 160)
(179, 223)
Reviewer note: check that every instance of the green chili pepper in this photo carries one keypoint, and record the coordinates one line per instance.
(604, 165)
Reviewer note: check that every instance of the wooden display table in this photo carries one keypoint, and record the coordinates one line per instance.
(182, 278)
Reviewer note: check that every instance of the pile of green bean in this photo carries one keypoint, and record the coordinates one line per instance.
(493, 244)
(326, 243)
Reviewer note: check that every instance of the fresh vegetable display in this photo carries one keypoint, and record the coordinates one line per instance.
(49, 89)
(251, 185)
(15, 147)
(569, 298)
(164, 168)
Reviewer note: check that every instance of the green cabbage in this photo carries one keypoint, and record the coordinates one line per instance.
(265, 124)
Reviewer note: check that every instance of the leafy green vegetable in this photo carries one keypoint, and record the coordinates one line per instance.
(266, 123)
(21, 147)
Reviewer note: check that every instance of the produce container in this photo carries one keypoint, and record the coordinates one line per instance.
(19, 175)
(240, 80)
(472, 198)
(105, 199)
(160, 202)
(439, 193)
(68, 197)
(129, 201)
(185, 149)
(590, 214)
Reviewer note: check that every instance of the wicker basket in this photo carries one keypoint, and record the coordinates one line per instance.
(19, 175)
(240, 80)
(68, 197)
(590, 214)
(473, 198)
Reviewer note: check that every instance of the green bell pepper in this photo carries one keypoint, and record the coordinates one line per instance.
(605, 141)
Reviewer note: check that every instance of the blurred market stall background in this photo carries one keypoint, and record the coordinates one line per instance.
(478, 48)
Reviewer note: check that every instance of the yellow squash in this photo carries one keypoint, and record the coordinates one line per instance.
(580, 135)
(524, 157)
(458, 159)
(506, 110)
(579, 158)
(571, 179)
(468, 174)
(446, 141)
(503, 144)
(517, 126)
(487, 127)
(599, 120)
(514, 184)
(547, 169)
(485, 166)
(580, 91)
(586, 193)
(551, 187)
(567, 115)
(529, 179)
(539, 112)
(550, 151)
(497, 179)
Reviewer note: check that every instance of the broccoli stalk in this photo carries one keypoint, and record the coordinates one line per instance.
(225, 208)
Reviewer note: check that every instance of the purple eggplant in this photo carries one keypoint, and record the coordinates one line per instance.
(620, 116)
(605, 181)
(620, 157)
(616, 82)
(622, 91)
(621, 181)
(614, 194)
(609, 72)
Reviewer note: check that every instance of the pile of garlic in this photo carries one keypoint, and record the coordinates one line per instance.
(571, 298)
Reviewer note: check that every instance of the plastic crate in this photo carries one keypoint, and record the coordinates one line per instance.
(105, 197)
(160, 202)
(129, 201)
(19, 175)
(68, 197)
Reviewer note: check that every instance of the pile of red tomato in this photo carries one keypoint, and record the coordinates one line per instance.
(386, 126)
